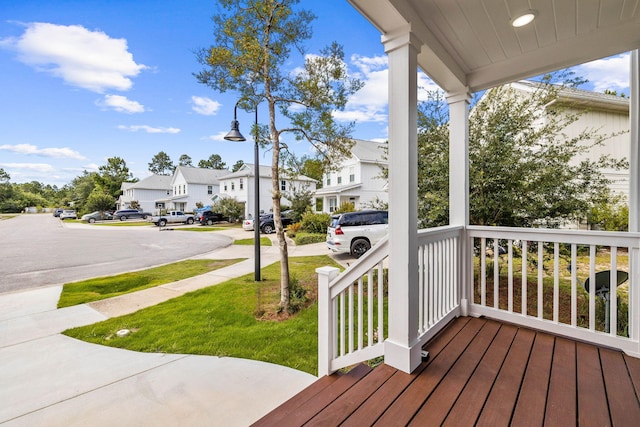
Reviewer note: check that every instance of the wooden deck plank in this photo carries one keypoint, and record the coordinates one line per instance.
(286, 408)
(592, 398)
(407, 404)
(311, 407)
(633, 366)
(336, 412)
(620, 391)
(434, 411)
(532, 399)
(467, 409)
(376, 405)
(561, 401)
(500, 404)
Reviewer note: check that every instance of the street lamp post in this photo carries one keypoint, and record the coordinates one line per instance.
(235, 135)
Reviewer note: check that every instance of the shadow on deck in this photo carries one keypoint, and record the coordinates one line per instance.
(479, 372)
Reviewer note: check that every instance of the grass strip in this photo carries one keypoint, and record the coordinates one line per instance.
(264, 241)
(111, 286)
(221, 321)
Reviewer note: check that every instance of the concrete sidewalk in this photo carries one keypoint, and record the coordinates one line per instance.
(49, 379)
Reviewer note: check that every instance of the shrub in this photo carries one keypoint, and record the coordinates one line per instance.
(294, 229)
(315, 222)
(303, 238)
(345, 207)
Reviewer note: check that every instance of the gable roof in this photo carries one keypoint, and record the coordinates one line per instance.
(246, 170)
(152, 182)
(369, 151)
(195, 175)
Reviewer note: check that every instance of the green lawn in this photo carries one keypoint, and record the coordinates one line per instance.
(264, 241)
(221, 321)
(107, 287)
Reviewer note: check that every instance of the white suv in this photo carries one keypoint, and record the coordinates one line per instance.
(356, 232)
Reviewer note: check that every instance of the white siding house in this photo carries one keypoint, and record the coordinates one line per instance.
(145, 192)
(357, 179)
(607, 114)
(240, 185)
(190, 186)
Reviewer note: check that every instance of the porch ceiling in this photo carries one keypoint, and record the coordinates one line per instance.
(471, 43)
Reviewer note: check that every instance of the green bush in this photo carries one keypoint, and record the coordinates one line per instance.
(303, 238)
(315, 222)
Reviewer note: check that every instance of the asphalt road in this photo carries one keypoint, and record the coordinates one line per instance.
(41, 250)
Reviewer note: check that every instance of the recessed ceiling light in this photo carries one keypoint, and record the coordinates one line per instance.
(524, 18)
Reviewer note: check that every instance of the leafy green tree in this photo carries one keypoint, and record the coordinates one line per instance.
(213, 162)
(185, 160)
(521, 169)
(301, 202)
(610, 214)
(253, 44)
(78, 191)
(98, 200)
(237, 165)
(161, 164)
(110, 177)
(6, 192)
(232, 209)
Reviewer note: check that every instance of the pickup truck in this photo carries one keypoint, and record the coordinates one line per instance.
(173, 217)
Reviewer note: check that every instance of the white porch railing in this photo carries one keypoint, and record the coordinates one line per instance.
(458, 268)
(549, 268)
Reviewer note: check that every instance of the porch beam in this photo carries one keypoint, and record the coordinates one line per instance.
(402, 347)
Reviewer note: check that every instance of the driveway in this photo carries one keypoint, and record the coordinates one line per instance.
(41, 250)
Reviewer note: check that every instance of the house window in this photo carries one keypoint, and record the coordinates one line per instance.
(233, 185)
(225, 186)
(352, 174)
(333, 204)
(184, 188)
(339, 180)
(283, 185)
(209, 189)
(328, 179)
(241, 184)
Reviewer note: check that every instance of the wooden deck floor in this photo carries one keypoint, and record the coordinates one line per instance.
(484, 373)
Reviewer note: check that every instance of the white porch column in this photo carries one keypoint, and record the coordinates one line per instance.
(459, 182)
(402, 350)
(634, 143)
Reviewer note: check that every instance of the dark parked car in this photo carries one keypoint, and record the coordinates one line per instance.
(267, 224)
(57, 212)
(208, 217)
(124, 214)
(96, 216)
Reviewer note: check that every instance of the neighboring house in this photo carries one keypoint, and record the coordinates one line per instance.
(240, 185)
(356, 180)
(145, 192)
(608, 114)
(190, 186)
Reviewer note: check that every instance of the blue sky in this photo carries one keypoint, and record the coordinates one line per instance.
(83, 81)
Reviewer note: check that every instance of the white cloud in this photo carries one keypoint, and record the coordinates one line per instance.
(608, 73)
(148, 129)
(217, 137)
(87, 59)
(37, 167)
(44, 152)
(121, 104)
(205, 106)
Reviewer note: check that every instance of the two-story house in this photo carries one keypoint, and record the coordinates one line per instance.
(358, 179)
(145, 192)
(240, 185)
(191, 186)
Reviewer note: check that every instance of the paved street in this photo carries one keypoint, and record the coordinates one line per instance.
(41, 250)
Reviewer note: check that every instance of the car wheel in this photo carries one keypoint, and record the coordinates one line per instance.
(123, 218)
(359, 247)
(162, 222)
(209, 222)
(92, 220)
(189, 221)
(145, 217)
(267, 229)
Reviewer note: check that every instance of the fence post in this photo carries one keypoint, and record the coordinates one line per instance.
(326, 340)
